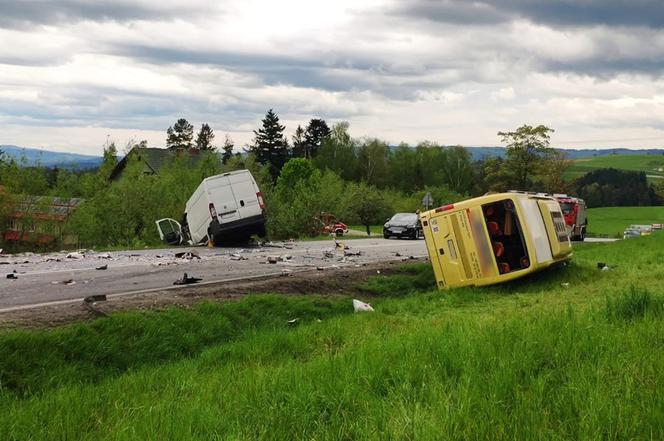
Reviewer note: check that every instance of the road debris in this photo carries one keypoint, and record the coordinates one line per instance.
(293, 322)
(565, 284)
(102, 268)
(90, 302)
(75, 255)
(64, 282)
(12, 276)
(186, 280)
(360, 306)
(188, 255)
(286, 272)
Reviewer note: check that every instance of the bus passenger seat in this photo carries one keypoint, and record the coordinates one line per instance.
(498, 248)
(494, 229)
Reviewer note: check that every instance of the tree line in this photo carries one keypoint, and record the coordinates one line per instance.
(320, 169)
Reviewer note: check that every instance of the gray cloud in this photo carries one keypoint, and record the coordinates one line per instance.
(24, 13)
(647, 13)
(337, 72)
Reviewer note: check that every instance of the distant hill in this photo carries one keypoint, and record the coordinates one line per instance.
(46, 158)
(478, 153)
(652, 165)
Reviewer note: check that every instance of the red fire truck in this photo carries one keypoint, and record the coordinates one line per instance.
(574, 212)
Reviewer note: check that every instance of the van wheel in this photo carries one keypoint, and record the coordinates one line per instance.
(582, 237)
(339, 233)
(210, 238)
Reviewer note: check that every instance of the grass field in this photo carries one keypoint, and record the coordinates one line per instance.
(653, 165)
(612, 221)
(573, 353)
(376, 230)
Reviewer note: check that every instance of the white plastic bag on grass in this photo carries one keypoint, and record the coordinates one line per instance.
(361, 306)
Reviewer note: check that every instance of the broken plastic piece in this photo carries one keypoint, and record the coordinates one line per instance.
(186, 280)
(101, 268)
(360, 306)
(12, 276)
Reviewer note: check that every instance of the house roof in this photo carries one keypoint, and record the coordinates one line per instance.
(153, 158)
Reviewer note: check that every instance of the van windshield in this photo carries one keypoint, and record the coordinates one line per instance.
(567, 208)
(507, 242)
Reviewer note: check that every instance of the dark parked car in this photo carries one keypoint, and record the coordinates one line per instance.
(403, 225)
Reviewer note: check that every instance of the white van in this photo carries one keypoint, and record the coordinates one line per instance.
(224, 208)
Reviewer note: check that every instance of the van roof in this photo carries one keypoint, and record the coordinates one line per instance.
(234, 172)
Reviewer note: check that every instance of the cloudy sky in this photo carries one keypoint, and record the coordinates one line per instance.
(74, 72)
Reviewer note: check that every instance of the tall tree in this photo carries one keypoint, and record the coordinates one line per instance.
(180, 135)
(527, 151)
(204, 138)
(299, 143)
(316, 131)
(552, 175)
(338, 152)
(228, 150)
(270, 145)
(457, 170)
(372, 157)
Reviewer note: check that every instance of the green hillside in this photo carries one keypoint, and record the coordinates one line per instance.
(611, 221)
(572, 353)
(653, 165)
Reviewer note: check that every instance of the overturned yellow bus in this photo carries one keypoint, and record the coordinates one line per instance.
(494, 238)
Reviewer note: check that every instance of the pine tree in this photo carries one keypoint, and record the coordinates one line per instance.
(270, 146)
(316, 131)
(204, 138)
(299, 143)
(228, 149)
(180, 135)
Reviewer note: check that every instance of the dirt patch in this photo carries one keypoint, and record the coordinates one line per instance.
(342, 281)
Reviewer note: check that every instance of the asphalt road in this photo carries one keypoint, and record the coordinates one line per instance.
(56, 278)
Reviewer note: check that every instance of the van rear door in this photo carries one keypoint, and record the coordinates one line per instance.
(220, 194)
(170, 231)
(245, 192)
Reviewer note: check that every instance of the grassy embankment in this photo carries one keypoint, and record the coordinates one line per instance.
(651, 164)
(535, 359)
(612, 221)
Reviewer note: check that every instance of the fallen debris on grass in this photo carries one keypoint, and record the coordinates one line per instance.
(360, 306)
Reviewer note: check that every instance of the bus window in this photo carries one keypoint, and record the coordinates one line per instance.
(509, 247)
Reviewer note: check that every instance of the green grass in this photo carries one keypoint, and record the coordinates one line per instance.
(651, 164)
(532, 359)
(375, 229)
(612, 221)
